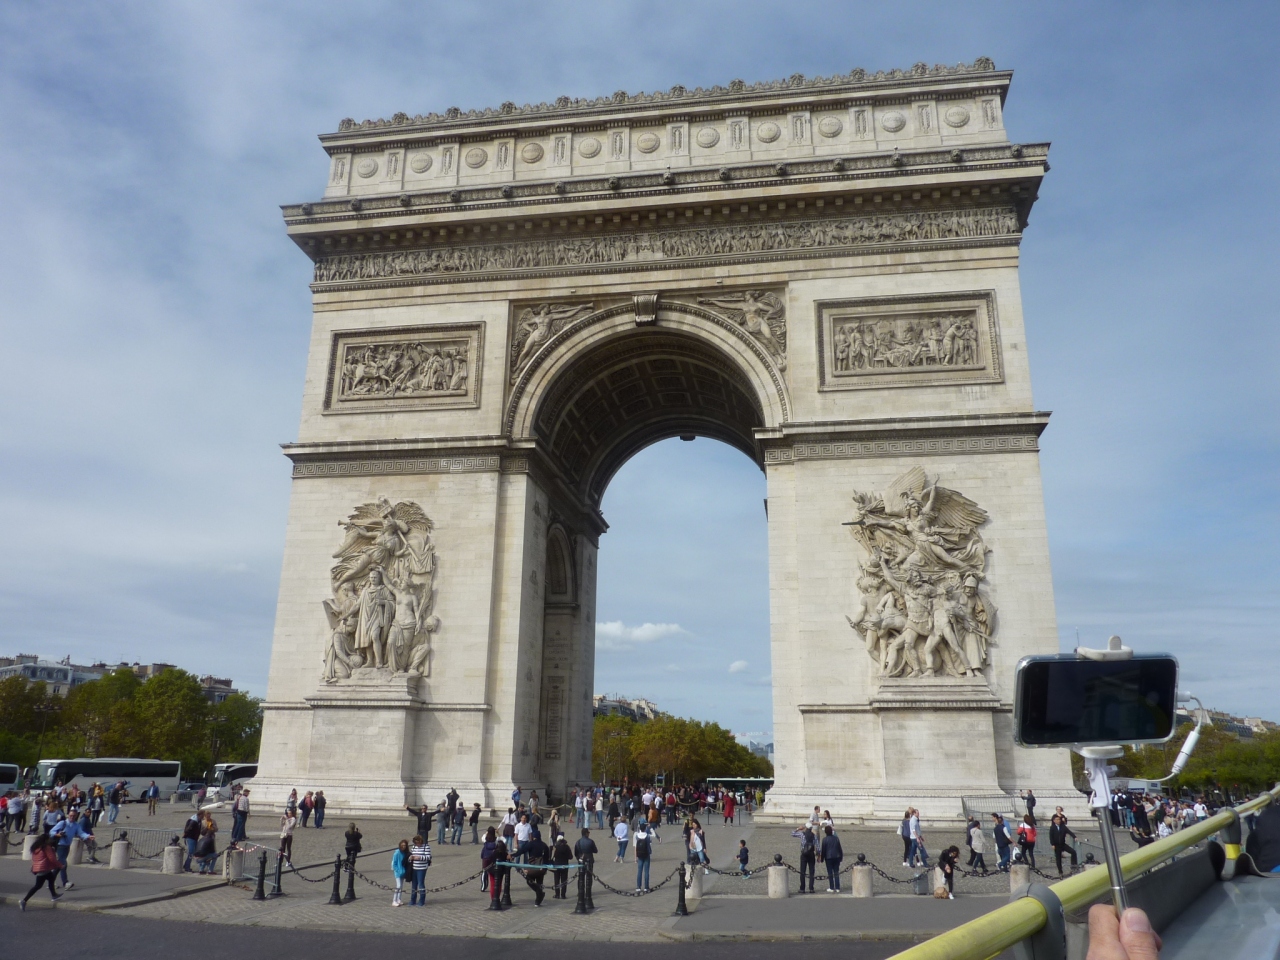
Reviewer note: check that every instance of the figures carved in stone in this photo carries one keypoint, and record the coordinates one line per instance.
(761, 314)
(380, 614)
(538, 324)
(921, 610)
(942, 340)
(405, 368)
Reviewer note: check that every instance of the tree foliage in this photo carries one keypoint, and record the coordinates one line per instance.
(1219, 758)
(686, 751)
(166, 717)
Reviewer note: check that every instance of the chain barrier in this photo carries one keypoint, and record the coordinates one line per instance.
(642, 893)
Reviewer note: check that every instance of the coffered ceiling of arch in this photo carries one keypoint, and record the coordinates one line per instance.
(639, 389)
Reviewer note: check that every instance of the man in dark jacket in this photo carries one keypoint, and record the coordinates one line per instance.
(832, 854)
(424, 818)
(808, 855)
(536, 852)
(1058, 833)
(561, 855)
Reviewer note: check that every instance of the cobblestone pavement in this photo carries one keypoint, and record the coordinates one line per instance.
(461, 911)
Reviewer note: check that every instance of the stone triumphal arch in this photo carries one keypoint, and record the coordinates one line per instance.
(509, 303)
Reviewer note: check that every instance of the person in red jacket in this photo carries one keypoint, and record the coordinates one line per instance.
(44, 864)
(729, 806)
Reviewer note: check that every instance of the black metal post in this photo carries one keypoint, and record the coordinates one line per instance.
(260, 894)
(351, 881)
(276, 891)
(335, 898)
(591, 870)
(581, 905)
(682, 910)
(506, 885)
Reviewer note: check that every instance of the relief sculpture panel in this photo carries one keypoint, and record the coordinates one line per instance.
(921, 608)
(908, 341)
(404, 369)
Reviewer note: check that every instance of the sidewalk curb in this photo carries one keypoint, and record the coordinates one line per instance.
(794, 936)
(173, 894)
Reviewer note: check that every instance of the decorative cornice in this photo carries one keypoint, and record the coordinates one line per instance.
(385, 467)
(855, 82)
(904, 437)
(665, 248)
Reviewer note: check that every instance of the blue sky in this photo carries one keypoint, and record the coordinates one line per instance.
(153, 317)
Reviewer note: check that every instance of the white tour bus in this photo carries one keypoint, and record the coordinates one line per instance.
(85, 772)
(227, 775)
(10, 779)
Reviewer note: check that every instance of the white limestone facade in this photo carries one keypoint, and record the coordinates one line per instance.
(510, 303)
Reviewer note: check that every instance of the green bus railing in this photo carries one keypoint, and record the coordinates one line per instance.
(999, 930)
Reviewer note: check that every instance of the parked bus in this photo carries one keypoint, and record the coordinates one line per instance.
(226, 776)
(10, 779)
(85, 772)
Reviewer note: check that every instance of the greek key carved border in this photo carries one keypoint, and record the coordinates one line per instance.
(381, 467)
(935, 446)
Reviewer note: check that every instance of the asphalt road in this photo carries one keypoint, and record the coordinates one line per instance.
(126, 938)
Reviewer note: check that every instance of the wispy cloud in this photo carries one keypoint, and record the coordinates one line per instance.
(738, 666)
(616, 635)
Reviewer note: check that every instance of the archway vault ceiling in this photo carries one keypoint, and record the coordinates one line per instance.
(635, 390)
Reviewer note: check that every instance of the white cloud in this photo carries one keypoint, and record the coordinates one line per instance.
(616, 635)
(738, 666)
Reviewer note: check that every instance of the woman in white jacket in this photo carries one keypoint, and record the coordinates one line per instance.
(979, 844)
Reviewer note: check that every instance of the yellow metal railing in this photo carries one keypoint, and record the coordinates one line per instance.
(987, 936)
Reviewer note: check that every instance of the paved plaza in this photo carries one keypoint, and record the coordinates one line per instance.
(733, 907)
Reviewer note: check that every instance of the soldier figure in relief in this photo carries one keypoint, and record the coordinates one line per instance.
(376, 612)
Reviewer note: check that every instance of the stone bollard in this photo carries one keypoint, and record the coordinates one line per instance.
(27, 842)
(233, 864)
(120, 855)
(173, 857)
(860, 881)
(1019, 876)
(75, 855)
(695, 886)
(778, 882)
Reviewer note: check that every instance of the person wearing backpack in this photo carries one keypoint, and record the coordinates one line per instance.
(808, 855)
(644, 850)
(1003, 842)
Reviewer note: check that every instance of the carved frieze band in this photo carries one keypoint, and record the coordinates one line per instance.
(405, 368)
(909, 341)
(381, 467)
(937, 446)
(658, 248)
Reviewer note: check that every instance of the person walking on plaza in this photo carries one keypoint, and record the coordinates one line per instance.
(459, 821)
(207, 845)
(240, 817)
(523, 834)
(287, 824)
(475, 824)
(152, 793)
(978, 844)
(904, 831)
(1027, 840)
(419, 861)
(400, 870)
(1003, 842)
(832, 854)
(584, 851)
(744, 856)
(917, 841)
(561, 856)
(644, 851)
(497, 873)
(730, 807)
(305, 807)
(190, 834)
(114, 799)
(63, 833)
(1029, 798)
(44, 864)
(318, 802)
(13, 819)
(486, 856)
(291, 804)
(537, 853)
(808, 855)
(1058, 834)
(353, 837)
(621, 834)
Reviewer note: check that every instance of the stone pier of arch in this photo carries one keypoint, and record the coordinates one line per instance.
(508, 304)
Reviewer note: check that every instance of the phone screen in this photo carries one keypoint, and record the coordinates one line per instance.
(1065, 700)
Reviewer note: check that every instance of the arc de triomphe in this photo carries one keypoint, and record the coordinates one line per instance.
(509, 303)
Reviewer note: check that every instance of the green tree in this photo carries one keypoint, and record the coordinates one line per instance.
(90, 708)
(684, 750)
(235, 728)
(166, 718)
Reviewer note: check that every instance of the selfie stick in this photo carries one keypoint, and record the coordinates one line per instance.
(1097, 770)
